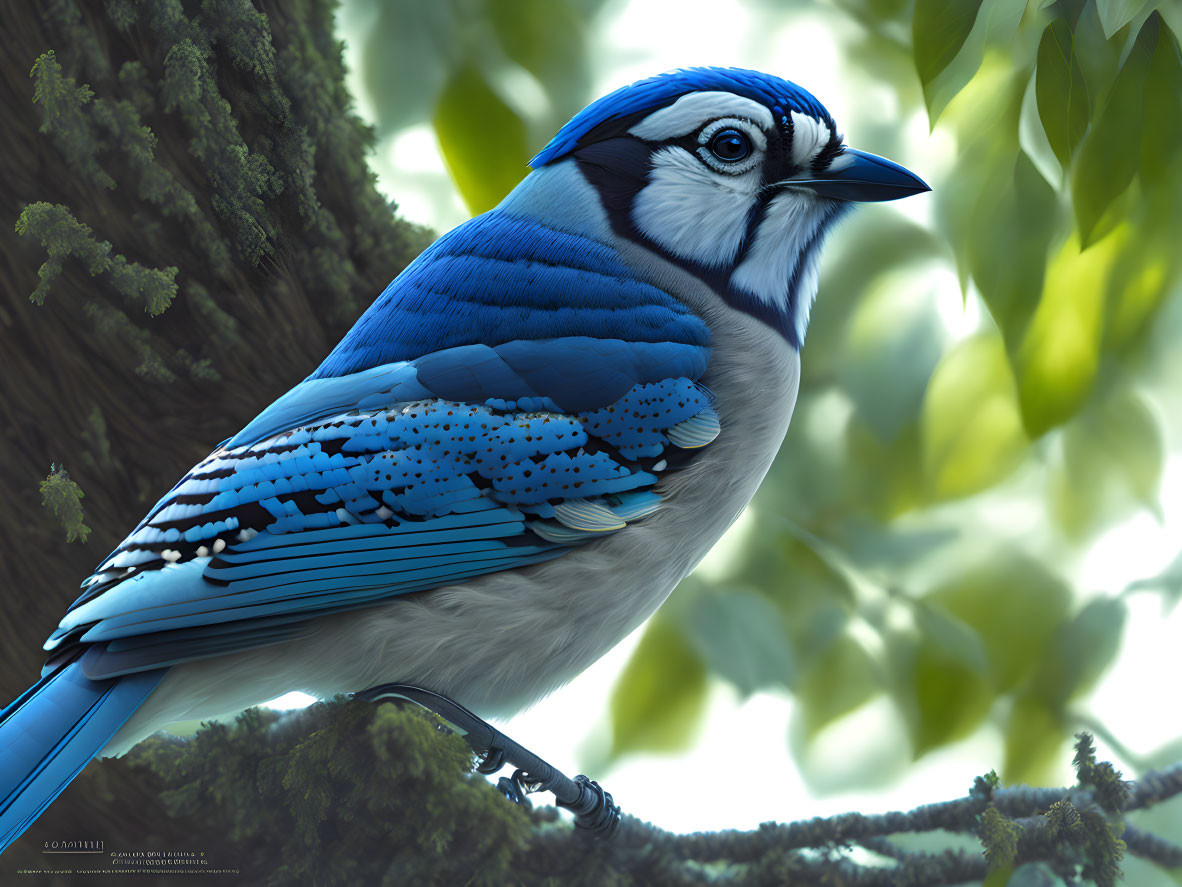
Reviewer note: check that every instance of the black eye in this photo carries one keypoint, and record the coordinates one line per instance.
(730, 145)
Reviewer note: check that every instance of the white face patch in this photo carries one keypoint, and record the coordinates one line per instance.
(691, 111)
(809, 136)
(692, 212)
(781, 240)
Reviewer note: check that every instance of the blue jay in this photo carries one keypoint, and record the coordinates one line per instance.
(532, 435)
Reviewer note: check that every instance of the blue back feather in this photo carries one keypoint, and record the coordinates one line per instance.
(500, 278)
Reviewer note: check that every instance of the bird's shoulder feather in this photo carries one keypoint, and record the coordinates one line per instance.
(502, 277)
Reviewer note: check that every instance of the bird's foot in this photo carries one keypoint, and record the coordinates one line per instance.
(593, 807)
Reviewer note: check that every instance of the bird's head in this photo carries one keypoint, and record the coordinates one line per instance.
(733, 174)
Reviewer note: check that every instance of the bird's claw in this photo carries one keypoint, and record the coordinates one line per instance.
(594, 808)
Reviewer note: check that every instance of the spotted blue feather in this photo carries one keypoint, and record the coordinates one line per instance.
(360, 505)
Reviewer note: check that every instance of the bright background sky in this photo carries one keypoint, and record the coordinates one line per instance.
(716, 785)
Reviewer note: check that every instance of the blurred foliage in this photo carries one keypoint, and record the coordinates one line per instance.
(878, 561)
(493, 77)
(882, 558)
(919, 535)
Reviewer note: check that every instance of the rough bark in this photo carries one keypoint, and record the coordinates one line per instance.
(211, 138)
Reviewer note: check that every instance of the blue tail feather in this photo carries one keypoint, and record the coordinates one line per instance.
(52, 731)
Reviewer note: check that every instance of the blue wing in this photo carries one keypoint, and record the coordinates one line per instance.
(390, 479)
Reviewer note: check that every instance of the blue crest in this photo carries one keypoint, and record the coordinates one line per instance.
(779, 95)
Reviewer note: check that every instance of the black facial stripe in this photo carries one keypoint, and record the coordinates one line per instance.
(754, 220)
(617, 168)
(825, 155)
(617, 127)
(780, 164)
(781, 158)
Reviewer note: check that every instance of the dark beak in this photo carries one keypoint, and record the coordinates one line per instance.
(859, 176)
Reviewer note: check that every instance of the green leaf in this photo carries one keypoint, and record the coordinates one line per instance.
(981, 634)
(1163, 108)
(893, 343)
(939, 29)
(482, 139)
(951, 698)
(549, 39)
(840, 680)
(986, 117)
(971, 430)
(1080, 652)
(740, 635)
(1109, 157)
(811, 593)
(1012, 605)
(1131, 435)
(1035, 737)
(887, 479)
(871, 545)
(1059, 355)
(406, 55)
(1112, 455)
(660, 696)
(1145, 272)
(885, 245)
(954, 638)
(1098, 57)
(1115, 14)
(1168, 583)
(995, 34)
(1014, 222)
(1062, 93)
(1171, 14)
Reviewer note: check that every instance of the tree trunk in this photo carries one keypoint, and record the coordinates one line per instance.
(235, 234)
